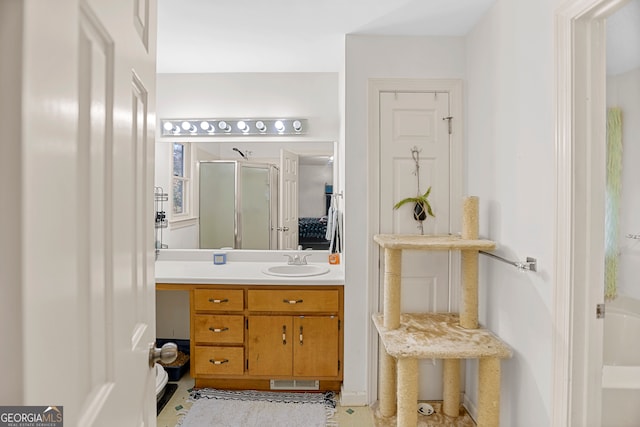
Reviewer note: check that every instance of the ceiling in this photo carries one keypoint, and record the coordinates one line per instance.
(233, 36)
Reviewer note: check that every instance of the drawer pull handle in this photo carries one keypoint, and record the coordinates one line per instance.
(284, 335)
(218, 301)
(292, 301)
(301, 335)
(212, 329)
(219, 362)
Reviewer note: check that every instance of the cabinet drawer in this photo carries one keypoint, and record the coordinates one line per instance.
(227, 329)
(293, 301)
(218, 299)
(219, 360)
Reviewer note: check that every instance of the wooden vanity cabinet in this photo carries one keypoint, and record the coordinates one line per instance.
(302, 345)
(243, 336)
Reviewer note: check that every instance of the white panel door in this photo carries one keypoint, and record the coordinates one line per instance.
(288, 212)
(88, 102)
(409, 120)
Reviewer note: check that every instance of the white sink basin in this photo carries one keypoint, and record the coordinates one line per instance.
(296, 270)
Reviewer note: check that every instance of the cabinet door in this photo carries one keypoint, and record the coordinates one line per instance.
(316, 346)
(269, 345)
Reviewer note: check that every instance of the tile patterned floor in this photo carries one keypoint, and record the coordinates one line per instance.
(437, 419)
(355, 416)
(178, 402)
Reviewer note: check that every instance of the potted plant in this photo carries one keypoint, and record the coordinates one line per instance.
(421, 208)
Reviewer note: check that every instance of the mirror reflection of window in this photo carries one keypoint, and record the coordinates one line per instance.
(181, 178)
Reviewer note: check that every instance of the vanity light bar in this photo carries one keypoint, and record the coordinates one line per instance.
(232, 127)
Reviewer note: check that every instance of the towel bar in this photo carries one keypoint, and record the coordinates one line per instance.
(530, 264)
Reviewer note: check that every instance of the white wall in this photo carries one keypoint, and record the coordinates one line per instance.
(375, 57)
(311, 181)
(313, 96)
(623, 90)
(510, 166)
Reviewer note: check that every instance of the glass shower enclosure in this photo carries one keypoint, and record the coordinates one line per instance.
(238, 205)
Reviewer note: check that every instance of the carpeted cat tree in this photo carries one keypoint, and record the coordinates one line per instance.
(409, 337)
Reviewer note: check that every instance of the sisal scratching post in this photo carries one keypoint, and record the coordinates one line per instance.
(392, 276)
(451, 387)
(469, 259)
(387, 368)
(469, 312)
(470, 218)
(386, 383)
(407, 392)
(489, 392)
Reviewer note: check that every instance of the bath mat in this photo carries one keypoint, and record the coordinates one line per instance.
(222, 408)
(169, 389)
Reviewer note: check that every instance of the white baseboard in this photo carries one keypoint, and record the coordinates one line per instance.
(353, 398)
(470, 407)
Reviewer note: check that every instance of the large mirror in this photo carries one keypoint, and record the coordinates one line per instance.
(231, 194)
(313, 97)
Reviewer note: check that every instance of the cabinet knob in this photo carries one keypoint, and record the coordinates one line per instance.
(217, 330)
(219, 362)
(292, 301)
(218, 301)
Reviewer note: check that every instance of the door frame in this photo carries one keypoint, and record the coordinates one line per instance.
(11, 166)
(580, 102)
(375, 87)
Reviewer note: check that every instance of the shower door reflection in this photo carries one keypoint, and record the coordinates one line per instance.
(238, 205)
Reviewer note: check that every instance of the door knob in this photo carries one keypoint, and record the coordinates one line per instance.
(167, 354)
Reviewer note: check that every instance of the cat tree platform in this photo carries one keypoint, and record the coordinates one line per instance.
(432, 242)
(440, 336)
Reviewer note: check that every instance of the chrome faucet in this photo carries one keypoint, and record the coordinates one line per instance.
(296, 260)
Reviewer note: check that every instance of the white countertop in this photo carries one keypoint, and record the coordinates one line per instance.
(243, 267)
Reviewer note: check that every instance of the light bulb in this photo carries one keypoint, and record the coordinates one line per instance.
(243, 126)
(189, 127)
(168, 126)
(207, 127)
(279, 126)
(261, 126)
(224, 126)
(297, 125)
